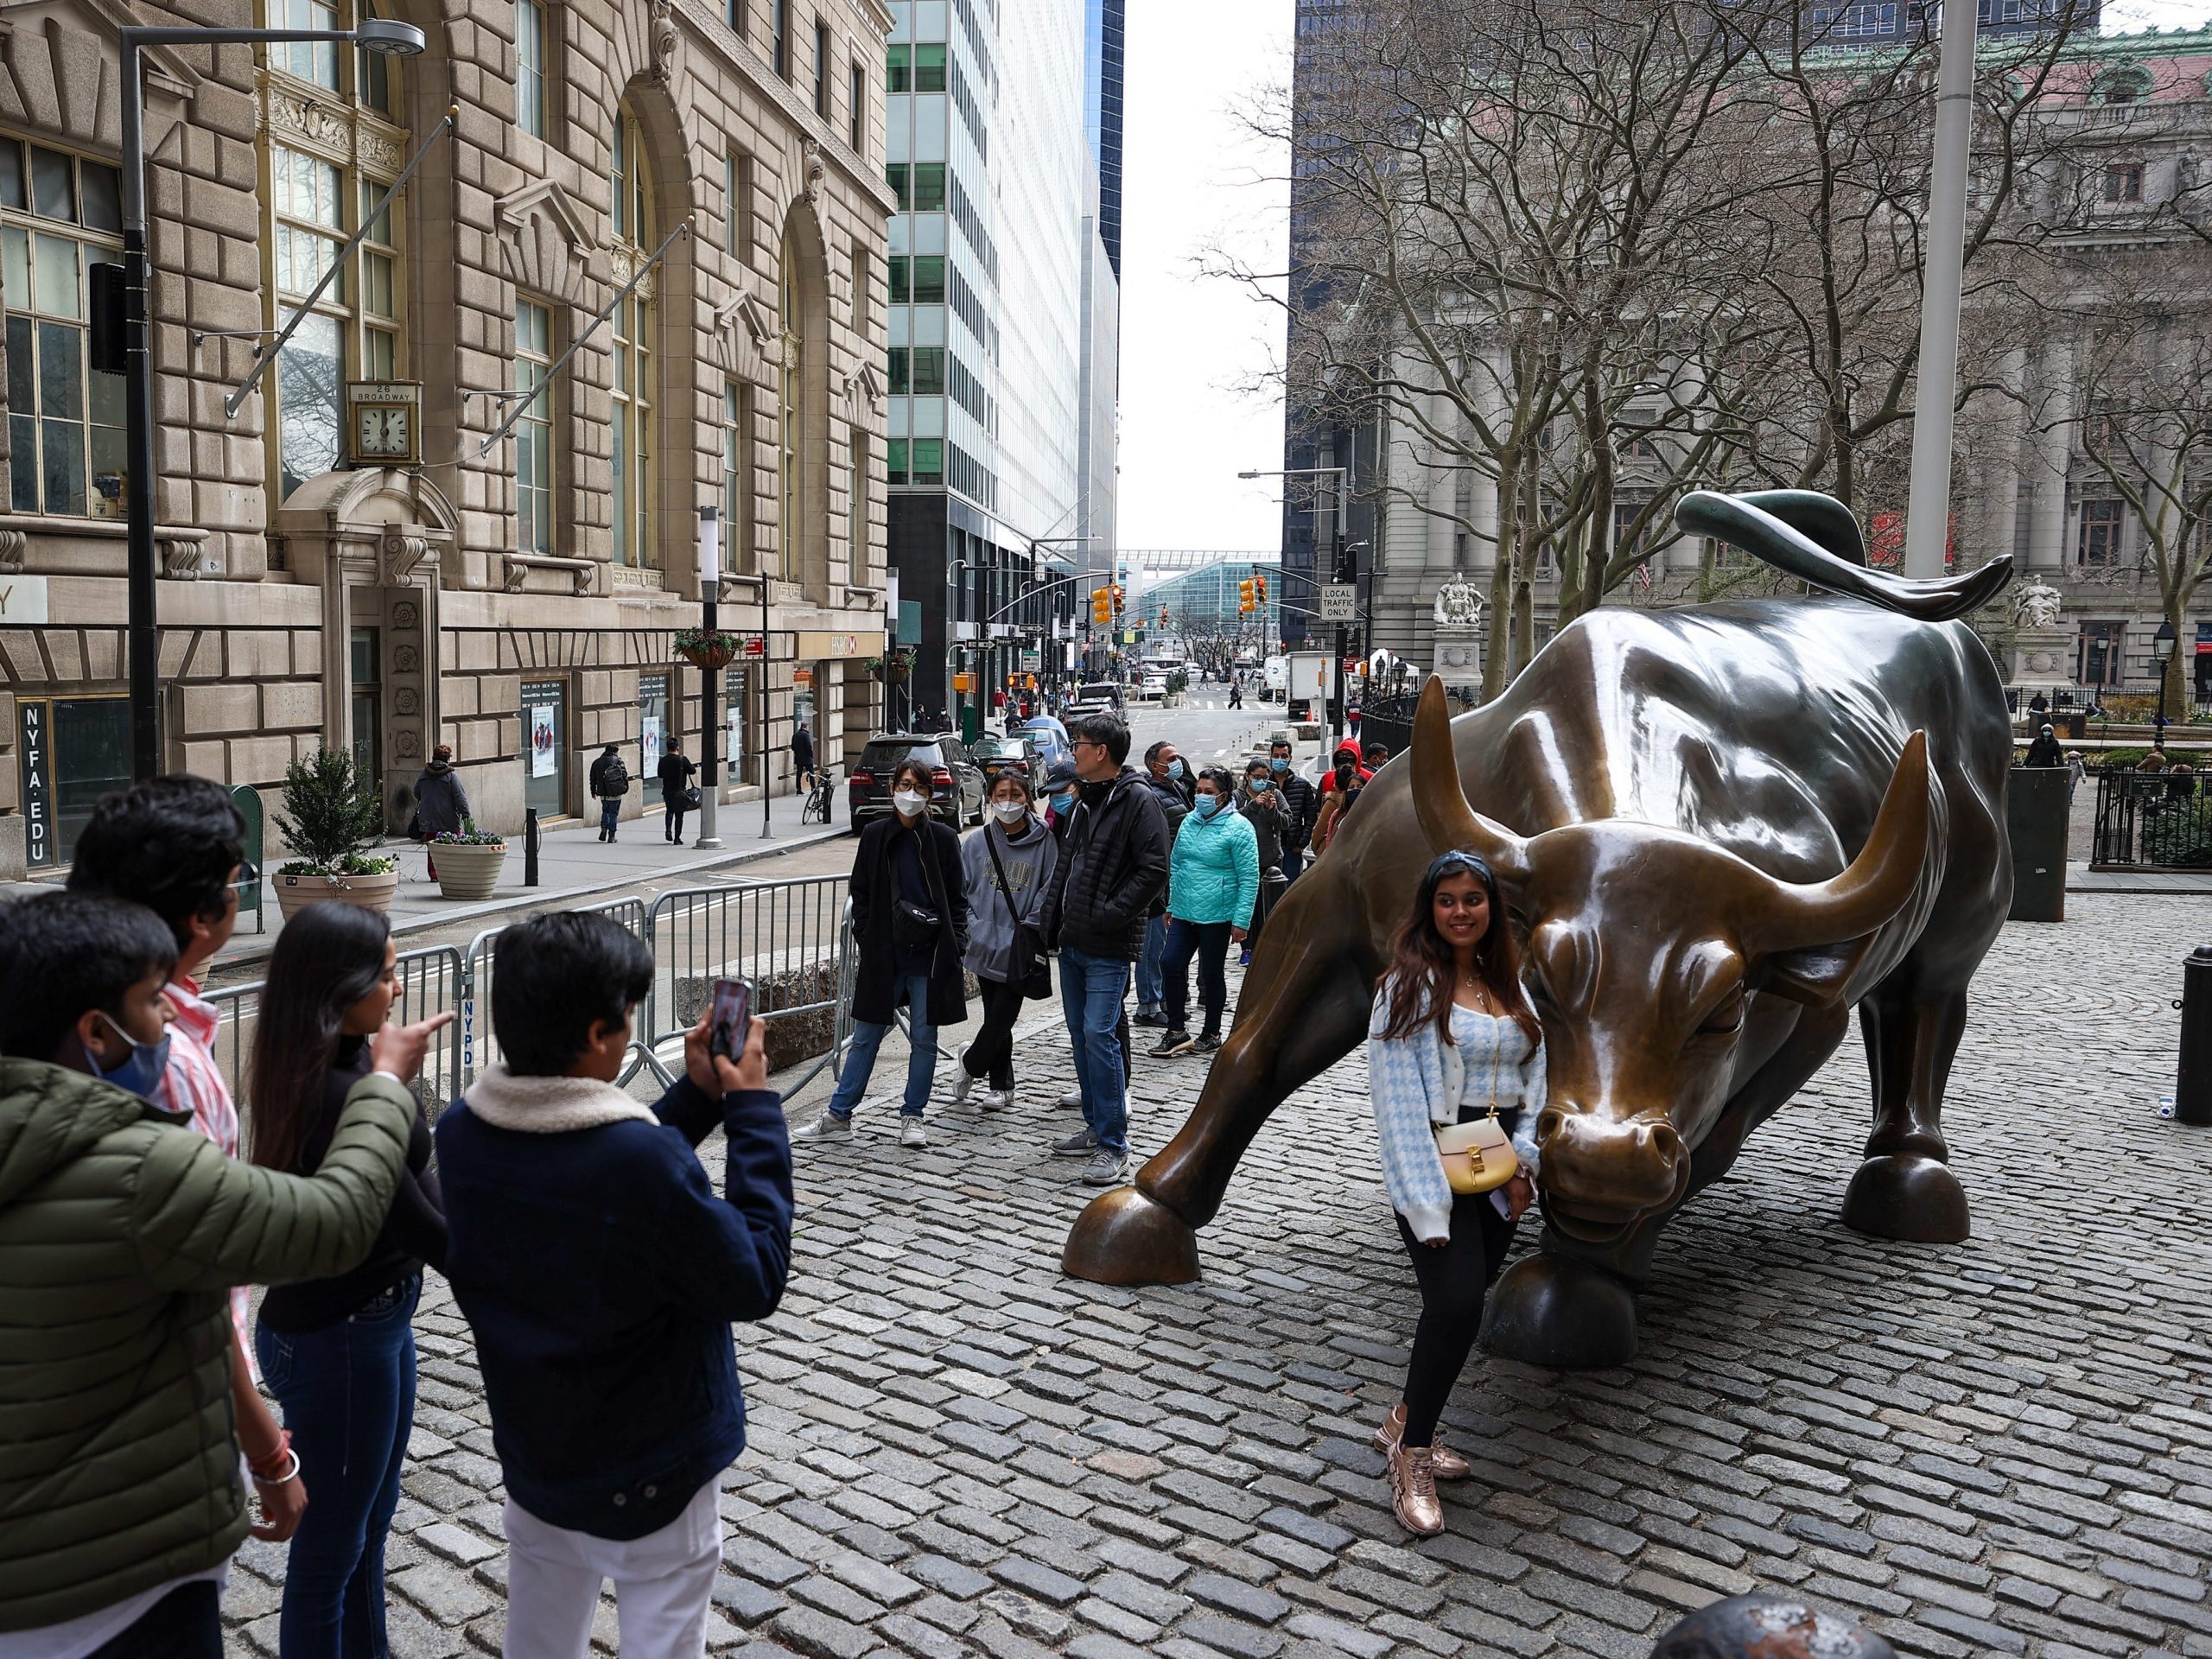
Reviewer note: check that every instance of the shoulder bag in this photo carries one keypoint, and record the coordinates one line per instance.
(1479, 1157)
(1030, 970)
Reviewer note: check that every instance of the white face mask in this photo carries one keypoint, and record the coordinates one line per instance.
(1009, 813)
(910, 803)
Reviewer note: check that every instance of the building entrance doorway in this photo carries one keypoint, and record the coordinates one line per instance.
(545, 747)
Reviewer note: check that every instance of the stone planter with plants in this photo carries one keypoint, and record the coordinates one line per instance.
(468, 860)
(332, 821)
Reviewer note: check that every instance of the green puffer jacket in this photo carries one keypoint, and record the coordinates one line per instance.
(121, 1230)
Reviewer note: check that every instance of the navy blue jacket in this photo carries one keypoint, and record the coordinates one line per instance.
(601, 1274)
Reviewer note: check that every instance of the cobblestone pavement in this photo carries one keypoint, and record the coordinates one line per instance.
(2002, 1448)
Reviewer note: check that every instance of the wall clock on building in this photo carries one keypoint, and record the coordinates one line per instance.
(384, 422)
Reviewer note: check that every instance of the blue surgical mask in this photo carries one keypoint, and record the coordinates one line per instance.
(1208, 805)
(1175, 770)
(142, 1072)
(1063, 803)
(1278, 766)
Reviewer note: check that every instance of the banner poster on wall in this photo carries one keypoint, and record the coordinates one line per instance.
(652, 745)
(542, 757)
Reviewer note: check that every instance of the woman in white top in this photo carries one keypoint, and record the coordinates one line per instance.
(1451, 1036)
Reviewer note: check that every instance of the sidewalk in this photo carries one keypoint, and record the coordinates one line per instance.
(573, 865)
(2079, 878)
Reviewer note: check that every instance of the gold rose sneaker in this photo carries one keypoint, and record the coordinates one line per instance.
(1449, 1466)
(1413, 1490)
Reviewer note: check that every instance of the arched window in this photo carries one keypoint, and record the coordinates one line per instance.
(803, 405)
(631, 439)
(324, 179)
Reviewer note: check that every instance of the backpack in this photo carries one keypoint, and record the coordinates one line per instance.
(616, 780)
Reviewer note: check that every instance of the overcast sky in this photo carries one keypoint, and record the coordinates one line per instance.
(1194, 177)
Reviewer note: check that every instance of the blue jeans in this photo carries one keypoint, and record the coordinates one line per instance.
(868, 1037)
(610, 813)
(1091, 989)
(348, 1394)
(1294, 863)
(1150, 980)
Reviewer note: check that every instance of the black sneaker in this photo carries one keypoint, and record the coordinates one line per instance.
(1177, 1041)
(1208, 1041)
(1157, 1021)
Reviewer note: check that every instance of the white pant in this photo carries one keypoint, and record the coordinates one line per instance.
(662, 1584)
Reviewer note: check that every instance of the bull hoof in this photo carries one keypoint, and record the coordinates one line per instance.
(1123, 1237)
(1907, 1196)
(1562, 1314)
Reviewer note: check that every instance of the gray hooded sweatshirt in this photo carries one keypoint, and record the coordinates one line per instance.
(1029, 864)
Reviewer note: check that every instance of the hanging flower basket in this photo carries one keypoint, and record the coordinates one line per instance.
(710, 653)
(894, 669)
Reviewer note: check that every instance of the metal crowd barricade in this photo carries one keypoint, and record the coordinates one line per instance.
(430, 982)
(782, 937)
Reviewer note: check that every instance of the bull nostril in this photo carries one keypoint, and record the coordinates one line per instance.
(1667, 1144)
(1548, 1124)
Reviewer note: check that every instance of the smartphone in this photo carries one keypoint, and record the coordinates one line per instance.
(730, 1018)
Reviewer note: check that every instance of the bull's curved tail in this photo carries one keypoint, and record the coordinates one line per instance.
(1814, 538)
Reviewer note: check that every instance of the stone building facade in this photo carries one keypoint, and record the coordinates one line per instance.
(515, 595)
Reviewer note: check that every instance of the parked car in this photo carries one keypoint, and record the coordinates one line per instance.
(1047, 740)
(1101, 696)
(956, 793)
(1153, 689)
(995, 755)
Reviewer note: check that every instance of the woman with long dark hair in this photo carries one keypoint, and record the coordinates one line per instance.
(1452, 1040)
(340, 1352)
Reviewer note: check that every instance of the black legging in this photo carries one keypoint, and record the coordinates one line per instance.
(673, 807)
(1208, 942)
(1453, 1278)
(991, 1049)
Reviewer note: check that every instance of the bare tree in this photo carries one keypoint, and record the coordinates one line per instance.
(1587, 254)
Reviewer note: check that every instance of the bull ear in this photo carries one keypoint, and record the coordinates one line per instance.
(1816, 978)
(1440, 804)
(1819, 923)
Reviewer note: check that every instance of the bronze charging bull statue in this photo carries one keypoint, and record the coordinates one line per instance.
(1720, 827)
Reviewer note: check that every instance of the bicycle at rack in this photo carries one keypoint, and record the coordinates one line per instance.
(822, 798)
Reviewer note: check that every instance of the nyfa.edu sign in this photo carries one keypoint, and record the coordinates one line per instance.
(35, 749)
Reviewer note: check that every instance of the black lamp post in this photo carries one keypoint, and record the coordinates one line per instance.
(2162, 656)
(375, 34)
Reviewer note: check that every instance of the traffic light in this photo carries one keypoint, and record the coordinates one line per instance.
(1116, 591)
(1102, 607)
(1260, 588)
(1163, 616)
(1244, 597)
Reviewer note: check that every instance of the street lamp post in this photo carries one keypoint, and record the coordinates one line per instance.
(2162, 656)
(143, 631)
(710, 740)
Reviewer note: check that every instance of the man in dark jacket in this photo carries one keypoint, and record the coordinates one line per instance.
(610, 782)
(600, 1271)
(675, 772)
(1300, 806)
(803, 755)
(1113, 867)
(2046, 750)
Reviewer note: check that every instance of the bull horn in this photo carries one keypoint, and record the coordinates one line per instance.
(1876, 884)
(1440, 804)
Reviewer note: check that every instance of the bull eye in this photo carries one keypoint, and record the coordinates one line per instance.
(1728, 1016)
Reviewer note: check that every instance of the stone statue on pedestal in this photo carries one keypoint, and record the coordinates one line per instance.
(1458, 617)
(2043, 646)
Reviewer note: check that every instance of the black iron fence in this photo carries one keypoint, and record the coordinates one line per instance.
(1390, 721)
(2152, 819)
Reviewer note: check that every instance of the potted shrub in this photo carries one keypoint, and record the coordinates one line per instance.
(708, 652)
(333, 821)
(468, 860)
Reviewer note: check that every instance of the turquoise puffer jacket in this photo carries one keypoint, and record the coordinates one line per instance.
(1214, 875)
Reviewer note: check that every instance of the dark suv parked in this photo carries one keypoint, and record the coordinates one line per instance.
(956, 788)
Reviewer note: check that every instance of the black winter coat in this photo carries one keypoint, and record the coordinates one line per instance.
(1113, 868)
(875, 891)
